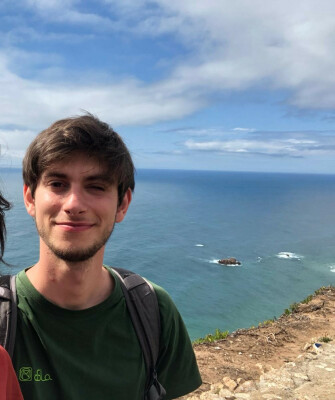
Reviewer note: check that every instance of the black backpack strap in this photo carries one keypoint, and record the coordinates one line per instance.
(8, 312)
(143, 308)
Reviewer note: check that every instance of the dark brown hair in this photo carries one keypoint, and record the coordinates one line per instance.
(4, 206)
(85, 134)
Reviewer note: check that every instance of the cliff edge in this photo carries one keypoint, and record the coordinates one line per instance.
(275, 360)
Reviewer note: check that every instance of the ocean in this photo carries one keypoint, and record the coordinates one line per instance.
(281, 227)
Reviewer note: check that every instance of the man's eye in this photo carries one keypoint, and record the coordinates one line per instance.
(97, 187)
(56, 184)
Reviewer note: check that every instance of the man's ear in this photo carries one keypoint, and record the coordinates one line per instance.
(123, 207)
(29, 200)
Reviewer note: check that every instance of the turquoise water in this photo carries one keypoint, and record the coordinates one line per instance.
(181, 222)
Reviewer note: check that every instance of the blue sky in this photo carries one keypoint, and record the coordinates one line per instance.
(243, 85)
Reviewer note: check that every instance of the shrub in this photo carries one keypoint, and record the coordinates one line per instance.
(319, 291)
(210, 338)
(308, 299)
(325, 339)
(266, 322)
(294, 307)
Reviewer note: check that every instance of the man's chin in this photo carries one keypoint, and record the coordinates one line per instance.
(74, 257)
(74, 252)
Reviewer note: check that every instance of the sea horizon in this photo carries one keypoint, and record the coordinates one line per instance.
(19, 168)
(279, 225)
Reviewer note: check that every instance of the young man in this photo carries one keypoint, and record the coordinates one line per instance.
(75, 339)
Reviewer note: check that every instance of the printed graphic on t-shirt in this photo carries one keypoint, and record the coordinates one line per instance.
(28, 374)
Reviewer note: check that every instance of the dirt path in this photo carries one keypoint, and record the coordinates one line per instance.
(247, 354)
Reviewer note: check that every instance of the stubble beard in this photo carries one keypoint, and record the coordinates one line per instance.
(75, 255)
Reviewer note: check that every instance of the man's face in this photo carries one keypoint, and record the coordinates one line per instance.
(75, 208)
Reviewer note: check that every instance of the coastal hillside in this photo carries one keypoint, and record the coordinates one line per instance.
(232, 368)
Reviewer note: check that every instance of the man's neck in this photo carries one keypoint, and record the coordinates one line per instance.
(74, 286)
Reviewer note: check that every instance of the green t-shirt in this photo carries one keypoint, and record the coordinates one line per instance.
(94, 353)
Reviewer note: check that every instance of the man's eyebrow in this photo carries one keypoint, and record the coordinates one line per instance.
(100, 177)
(53, 174)
(97, 177)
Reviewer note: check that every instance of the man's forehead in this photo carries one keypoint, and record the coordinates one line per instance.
(85, 166)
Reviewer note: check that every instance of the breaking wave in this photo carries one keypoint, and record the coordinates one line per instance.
(289, 256)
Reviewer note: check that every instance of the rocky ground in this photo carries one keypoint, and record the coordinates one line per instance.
(285, 359)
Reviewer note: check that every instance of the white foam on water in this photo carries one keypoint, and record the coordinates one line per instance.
(289, 256)
(332, 268)
(199, 245)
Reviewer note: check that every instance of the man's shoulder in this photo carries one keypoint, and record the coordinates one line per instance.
(167, 308)
(164, 298)
(161, 293)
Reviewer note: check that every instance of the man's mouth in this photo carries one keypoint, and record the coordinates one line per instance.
(74, 226)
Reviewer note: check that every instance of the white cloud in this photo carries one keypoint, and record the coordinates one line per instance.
(297, 141)
(233, 46)
(242, 44)
(33, 104)
(13, 144)
(66, 11)
(244, 129)
(96, 21)
(50, 5)
(282, 144)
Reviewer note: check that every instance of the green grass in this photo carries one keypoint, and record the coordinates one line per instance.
(319, 291)
(212, 337)
(307, 299)
(293, 307)
(325, 339)
(323, 288)
(266, 322)
(218, 334)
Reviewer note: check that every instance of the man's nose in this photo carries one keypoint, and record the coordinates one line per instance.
(75, 202)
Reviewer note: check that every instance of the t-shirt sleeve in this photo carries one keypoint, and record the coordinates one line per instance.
(177, 368)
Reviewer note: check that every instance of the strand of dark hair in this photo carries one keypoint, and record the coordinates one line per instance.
(4, 206)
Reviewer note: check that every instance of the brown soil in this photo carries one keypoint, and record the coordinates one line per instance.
(247, 353)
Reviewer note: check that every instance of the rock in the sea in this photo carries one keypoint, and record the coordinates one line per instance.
(229, 261)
